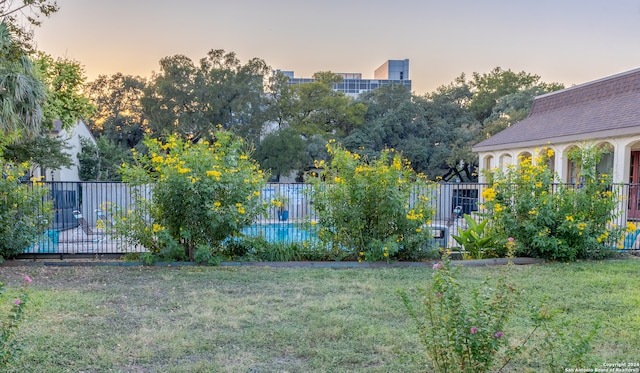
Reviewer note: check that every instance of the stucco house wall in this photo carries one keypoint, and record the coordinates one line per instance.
(72, 139)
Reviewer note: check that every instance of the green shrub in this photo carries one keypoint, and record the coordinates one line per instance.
(477, 243)
(24, 212)
(370, 209)
(200, 194)
(10, 346)
(463, 333)
(550, 220)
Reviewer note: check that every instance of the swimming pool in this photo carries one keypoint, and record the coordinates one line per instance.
(287, 232)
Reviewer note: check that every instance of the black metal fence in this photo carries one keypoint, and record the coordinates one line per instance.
(80, 214)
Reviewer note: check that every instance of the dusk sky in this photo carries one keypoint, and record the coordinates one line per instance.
(566, 41)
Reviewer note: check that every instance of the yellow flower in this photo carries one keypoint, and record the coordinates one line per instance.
(214, 173)
(337, 179)
(489, 194)
(569, 218)
(241, 210)
(217, 204)
(386, 254)
(631, 227)
(550, 153)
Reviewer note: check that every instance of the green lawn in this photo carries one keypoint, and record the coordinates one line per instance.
(254, 319)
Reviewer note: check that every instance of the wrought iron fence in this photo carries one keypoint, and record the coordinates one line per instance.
(81, 213)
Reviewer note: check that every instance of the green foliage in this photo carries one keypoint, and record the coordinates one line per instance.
(476, 242)
(200, 194)
(192, 99)
(102, 161)
(118, 115)
(64, 80)
(554, 221)
(317, 109)
(472, 334)
(19, 15)
(22, 93)
(43, 151)
(489, 87)
(10, 346)
(20, 226)
(460, 335)
(281, 152)
(364, 207)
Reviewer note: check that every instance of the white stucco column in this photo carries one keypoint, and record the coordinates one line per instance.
(621, 159)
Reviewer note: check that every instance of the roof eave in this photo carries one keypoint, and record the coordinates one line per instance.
(582, 137)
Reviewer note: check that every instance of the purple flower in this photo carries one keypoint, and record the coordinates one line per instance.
(511, 239)
(498, 334)
(438, 294)
(17, 302)
(474, 330)
(437, 266)
(27, 279)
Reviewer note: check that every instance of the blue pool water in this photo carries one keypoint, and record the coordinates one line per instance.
(287, 232)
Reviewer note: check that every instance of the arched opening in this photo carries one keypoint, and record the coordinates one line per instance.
(573, 168)
(550, 155)
(505, 161)
(605, 166)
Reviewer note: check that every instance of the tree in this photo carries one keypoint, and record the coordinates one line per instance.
(119, 115)
(319, 109)
(192, 100)
(64, 102)
(488, 88)
(101, 161)
(22, 94)
(64, 80)
(429, 131)
(513, 108)
(42, 151)
(452, 128)
(16, 13)
(281, 152)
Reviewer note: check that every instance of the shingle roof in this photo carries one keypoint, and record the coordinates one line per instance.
(605, 107)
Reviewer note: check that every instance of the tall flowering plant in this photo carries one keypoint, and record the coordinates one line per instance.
(460, 335)
(372, 209)
(25, 212)
(201, 193)
(9, 343)
(549, 219)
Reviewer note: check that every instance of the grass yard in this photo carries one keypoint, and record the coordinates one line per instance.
(256, 319)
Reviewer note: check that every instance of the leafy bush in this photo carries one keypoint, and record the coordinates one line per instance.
(554, 221)
(200, 194)
(463, 334)
(24, 212)
(477, 243)
(9, 342)
(370, 209)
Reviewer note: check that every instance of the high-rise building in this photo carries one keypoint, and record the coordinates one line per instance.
(390, 72)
